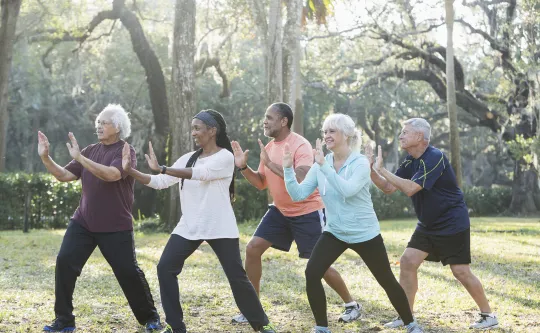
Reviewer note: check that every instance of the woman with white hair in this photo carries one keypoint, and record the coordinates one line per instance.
(103, 219)
(343, 180)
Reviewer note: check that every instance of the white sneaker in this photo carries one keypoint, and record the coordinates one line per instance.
(486, 322)
(239, 319)
(414, 328)
(351, 313)
(395, 323)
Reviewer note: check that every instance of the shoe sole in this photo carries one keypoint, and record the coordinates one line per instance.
(67, 329)
(485, 328)
(341, 320)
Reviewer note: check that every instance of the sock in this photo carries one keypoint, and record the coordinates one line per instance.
(353, 303)
(489, 314)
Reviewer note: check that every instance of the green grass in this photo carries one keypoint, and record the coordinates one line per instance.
(506, 258)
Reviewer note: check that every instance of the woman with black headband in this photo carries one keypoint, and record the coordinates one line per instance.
(206, 191)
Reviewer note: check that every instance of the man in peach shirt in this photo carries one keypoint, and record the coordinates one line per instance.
(285, 219)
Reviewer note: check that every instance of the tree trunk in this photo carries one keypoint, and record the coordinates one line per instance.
(292, 76)
(182, 92)
(524, 189)
(274, 70)
(9, 12)
(451, 92)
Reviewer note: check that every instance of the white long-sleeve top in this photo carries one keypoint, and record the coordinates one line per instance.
(207, 212)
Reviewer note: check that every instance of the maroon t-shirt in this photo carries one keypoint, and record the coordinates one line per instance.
(104, 206)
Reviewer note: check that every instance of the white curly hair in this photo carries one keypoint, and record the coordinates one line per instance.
(119, 117)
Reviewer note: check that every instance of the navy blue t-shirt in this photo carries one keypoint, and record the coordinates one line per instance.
(439, 205)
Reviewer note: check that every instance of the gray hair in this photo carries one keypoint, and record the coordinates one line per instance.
(119, 117)
(420, 125)
(345, 125)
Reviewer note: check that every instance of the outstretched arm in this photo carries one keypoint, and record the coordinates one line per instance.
(60, 173)
(103, 172)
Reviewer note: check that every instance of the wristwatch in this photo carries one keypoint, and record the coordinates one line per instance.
(242, 169)
(163, 169)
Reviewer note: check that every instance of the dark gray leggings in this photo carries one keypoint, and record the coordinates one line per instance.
(373, 252)
(177, 250)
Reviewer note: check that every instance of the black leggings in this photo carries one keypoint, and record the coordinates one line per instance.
(177, 250)
(373, 252)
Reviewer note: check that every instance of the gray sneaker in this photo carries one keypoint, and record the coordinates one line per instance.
(395, 323)
(319, 330)
(351, 313)
(486, 322)
(414, 328)
(239, 319)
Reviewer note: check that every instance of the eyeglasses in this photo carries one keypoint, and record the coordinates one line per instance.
(103, 123)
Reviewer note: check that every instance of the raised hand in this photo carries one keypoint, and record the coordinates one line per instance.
(126, 158)
(378, 166)
(240, 156)
(264, 155)
(368, 150)
(318, 152)
(287, 156)
(151, 158)
(43, 145)
(73, 148)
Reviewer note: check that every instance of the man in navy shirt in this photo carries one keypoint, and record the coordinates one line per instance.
(443, 230)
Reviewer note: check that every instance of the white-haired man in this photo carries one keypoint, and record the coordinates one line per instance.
(103, 219)
(443, 229)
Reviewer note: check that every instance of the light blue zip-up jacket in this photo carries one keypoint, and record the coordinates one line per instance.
(349, 209)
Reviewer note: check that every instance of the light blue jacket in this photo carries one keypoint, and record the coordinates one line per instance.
(349, 209)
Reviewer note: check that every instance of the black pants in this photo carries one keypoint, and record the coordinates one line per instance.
(118, 248)
(177, 250)
(373, 252)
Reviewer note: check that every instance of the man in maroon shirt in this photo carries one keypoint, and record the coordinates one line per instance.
(103, 219)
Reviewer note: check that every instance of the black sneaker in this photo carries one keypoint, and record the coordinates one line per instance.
(169, 329)
(60, 326)
(153, 325)
(268, 329)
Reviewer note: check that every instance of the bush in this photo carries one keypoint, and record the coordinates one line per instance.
(249, 203)
(50, 203)
(488, 201)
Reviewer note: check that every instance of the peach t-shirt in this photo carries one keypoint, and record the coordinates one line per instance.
(302, 156)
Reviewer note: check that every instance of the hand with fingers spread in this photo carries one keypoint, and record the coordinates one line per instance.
(43, 145)
(151, 158)
(264, 155)
(287, 156)
(126, 158)
(240, 156)
(368, 150)
(318, 152)
(379, 165)
(73, 147)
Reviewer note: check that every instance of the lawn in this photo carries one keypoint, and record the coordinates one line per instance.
(506, 258)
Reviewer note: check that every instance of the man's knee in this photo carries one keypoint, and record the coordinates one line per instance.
(461, 272)
(410, 262)
(256, 247)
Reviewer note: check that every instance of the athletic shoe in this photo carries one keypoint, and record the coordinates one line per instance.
(486, 322)
(239, 319)
(396, 322)
(351, 313)
(414, 328)
(60, 326)
(268, 329)
(320, 330)
(169, 329)
(153, 325)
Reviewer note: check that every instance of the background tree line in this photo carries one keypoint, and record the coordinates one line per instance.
(381, 62)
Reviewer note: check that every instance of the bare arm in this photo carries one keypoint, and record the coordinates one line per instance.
(103, 172)
(406, 186)
(60, 173)
(388, 182)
